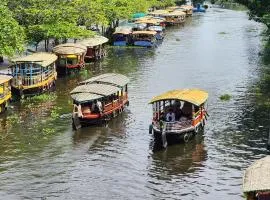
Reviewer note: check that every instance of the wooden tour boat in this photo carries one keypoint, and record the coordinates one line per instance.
(70, 56)
(95, 47)
(5, 92)
(99, 99)
(144, 38)
(188, 9)
(256, 180)
(159, 30)
(175, 17)
(33, 74)
(178, 115)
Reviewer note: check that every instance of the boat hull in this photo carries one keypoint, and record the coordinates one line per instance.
(120, 43)
(144, 44)
(98, 119)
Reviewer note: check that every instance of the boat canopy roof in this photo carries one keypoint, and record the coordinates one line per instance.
(41, 58)
(114, 79)
(144, 33)
(148, 21)
(70, 49)
(187, 7)
(94, 41)
(175, 13)
(257, 176)
(194, 96)
(155, 28)
(98, 87)
(159, 12)
(124, 32)
(89, 92)
(4, 78)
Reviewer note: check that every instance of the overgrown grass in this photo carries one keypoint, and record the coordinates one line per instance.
(225, 97)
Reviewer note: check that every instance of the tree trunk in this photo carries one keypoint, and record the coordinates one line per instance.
(1, 59)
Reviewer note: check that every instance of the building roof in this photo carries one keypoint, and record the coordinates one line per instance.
(42, 58)
(257, 176)
(70, 49)
(194, 96)
(118, 80)
(93, 41)
(4, 78)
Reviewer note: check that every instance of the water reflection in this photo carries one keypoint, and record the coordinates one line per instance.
(179, 159)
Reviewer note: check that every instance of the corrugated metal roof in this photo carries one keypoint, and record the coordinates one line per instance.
(42, 58)
(4, 78)
(70, 49)
(194, 96)
(94, 41)
(95, 88)
(257, 176)
(85, 97)
(109, 78)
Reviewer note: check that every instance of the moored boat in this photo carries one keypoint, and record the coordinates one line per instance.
(175, 17)
(188, 9)
(99, 99)
(178, 115)
(95, 47)
(5, 92)
(121, 37)
(159, 30)
(256, 180)
(144, 38)
(70, 56)
(33, 74)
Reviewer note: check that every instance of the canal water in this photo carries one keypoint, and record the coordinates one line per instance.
(41, 157)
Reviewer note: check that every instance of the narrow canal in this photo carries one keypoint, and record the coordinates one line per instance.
(41, 157)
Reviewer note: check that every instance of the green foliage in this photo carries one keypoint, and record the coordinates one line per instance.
(12, 36)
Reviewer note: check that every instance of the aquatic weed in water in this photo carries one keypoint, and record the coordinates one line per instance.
(225, 97)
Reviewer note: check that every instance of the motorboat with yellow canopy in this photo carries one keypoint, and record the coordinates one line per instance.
(5, 92)
(178, 115)
(33, 74)
(70, 56)
(95, 47)
(99, 99)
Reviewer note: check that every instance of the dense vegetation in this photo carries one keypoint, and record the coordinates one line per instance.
(32, 21)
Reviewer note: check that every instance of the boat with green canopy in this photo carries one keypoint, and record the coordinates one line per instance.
(178, 115)
(99, 99)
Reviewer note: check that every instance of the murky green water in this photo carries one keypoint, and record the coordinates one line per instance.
(42, 157)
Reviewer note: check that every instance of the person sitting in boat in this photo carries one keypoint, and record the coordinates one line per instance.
(187, 110)
(177, 110)
(96, 107)
(170, 117)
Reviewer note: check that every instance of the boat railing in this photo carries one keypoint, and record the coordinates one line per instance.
(174, 126)
(33, 79)
(115, 103)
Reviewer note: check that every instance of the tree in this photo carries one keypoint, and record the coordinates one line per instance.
(12, 35)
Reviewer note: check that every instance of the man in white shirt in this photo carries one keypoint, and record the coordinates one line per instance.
(97, 106)
(170, 117)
